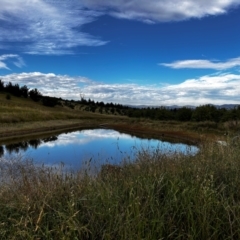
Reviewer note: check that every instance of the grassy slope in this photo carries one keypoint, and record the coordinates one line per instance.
(19, 116)
(25, 110)
(23, 116)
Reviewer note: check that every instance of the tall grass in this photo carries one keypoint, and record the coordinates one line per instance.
(159, 196)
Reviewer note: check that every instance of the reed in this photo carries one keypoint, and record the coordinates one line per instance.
(158, 196)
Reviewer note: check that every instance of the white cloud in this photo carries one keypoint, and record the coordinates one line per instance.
(215, 89)
(45, 27)
(50, 83)
(55, 26)
(87, 136)
(162, 10)
(204, 64)
(3, 65)
(17, 62)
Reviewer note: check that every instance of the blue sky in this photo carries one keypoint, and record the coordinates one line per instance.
(155, 52)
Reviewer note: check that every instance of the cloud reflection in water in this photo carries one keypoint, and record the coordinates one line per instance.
(97, 146)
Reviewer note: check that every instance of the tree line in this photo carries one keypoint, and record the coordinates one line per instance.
(25, 92)
(18, 91)
(184, 114)
(202, 113)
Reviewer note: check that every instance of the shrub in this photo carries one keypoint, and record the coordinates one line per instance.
(8, 97)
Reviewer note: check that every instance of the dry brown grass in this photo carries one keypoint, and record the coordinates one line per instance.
(23, 116)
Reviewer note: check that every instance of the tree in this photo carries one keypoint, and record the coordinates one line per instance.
(184, 114)
(206, 113)
(49, 101)
(24, 91)
(13, 89)
(9, 87)
(1, 85)
(35, 95)
(16, 90)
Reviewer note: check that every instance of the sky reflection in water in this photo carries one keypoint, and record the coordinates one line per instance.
(99, 146)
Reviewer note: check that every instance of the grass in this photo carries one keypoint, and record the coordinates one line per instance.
(20, 116)
(19, 110)
(156, 197)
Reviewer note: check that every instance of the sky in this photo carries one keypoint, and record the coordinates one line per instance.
(134, 52)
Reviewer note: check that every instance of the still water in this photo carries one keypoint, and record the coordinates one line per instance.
(96, 147)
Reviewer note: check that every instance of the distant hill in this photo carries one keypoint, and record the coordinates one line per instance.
(226, 106)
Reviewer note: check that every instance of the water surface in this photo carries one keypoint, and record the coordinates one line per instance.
(98, 146)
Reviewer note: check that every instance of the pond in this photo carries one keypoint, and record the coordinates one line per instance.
(88, 147)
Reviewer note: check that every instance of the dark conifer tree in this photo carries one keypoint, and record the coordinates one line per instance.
(1, 85)
(35, 95)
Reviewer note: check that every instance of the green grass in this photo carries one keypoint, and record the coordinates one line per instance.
(157, 197)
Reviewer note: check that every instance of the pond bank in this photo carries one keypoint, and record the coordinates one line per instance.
(140, 129)
(15, 131)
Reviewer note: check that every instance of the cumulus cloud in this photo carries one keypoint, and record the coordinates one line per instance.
(204, 64)
(219, 89)
(55, 26)
(50, 83)
(18, 61)
(215, 89)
